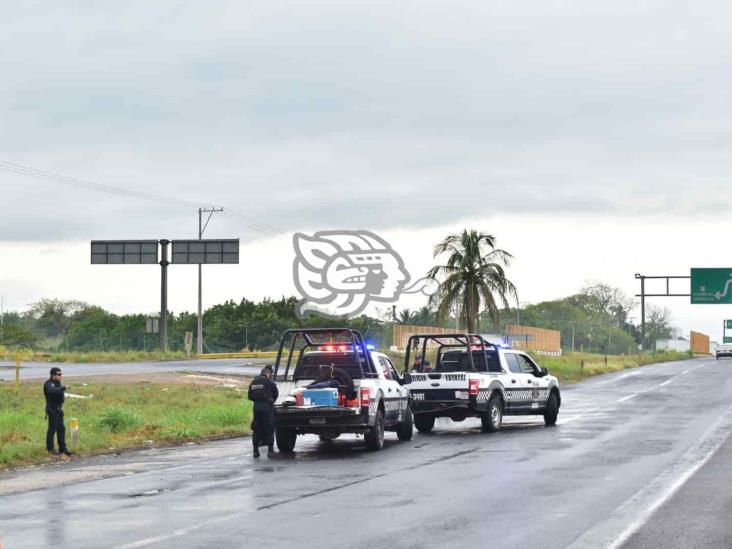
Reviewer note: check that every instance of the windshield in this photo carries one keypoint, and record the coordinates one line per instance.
(311, 364)
(459, 361)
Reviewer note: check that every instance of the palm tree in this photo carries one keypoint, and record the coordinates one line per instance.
(473, 277)
(405, 315)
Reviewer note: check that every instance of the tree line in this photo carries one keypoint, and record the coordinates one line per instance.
(473, 294)
(596, 319)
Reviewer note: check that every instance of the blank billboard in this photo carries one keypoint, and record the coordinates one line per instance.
(124, 252)
(206, 251)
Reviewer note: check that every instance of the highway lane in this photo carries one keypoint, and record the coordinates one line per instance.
(39, 370)
(625, 443)
(698, 515)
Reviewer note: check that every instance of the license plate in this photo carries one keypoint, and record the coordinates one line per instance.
(534, 404)
(317, 421)
(461, 394)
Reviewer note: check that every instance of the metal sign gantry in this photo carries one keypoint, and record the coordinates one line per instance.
(643, 295)
(149, 252)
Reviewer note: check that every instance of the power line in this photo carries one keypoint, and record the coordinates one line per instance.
(237, 217)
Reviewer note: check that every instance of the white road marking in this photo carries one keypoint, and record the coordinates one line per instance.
(618, 378)
(579, 413)
(177, 533)
(626, 519)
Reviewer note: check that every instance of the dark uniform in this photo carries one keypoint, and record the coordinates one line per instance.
(54, 392)
(263, 392)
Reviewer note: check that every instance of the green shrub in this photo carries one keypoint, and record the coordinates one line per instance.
(118, 420)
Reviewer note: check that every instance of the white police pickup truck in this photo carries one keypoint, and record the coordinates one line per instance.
(370, 396)
(474, 378)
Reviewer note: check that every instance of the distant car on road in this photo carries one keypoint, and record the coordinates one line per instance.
(723, 351)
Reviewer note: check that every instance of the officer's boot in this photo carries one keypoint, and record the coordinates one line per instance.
(270, 452)
(256, 450)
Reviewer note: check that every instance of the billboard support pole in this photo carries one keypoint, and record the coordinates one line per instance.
(164, 295)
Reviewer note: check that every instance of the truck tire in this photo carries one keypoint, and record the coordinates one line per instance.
(375, 436)
(285, 439)
(493, 416)
(424, 423)
(552, 410)
(406, 427)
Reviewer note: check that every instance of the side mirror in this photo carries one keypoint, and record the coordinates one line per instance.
(544, 372)
(406, 378)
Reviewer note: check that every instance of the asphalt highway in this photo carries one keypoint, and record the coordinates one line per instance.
(631, 457)
(39, 370)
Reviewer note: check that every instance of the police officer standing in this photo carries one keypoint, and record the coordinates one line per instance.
(54, 391)
(263, 392)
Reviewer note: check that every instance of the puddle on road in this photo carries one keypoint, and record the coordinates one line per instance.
(149, 493)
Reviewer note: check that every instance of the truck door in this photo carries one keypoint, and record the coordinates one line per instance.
(537, 384)
(518, 387)
(391, 389)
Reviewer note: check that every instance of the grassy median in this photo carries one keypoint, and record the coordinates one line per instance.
(26, 355)
(573, 367)
(119, 416)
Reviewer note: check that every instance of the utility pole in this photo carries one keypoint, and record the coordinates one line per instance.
(573, 326)
(201, 229)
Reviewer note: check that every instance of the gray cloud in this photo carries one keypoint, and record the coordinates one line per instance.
(361, 114)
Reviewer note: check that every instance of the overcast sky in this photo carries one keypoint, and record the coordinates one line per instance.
(592, 140)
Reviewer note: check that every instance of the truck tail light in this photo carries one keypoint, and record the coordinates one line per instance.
(473, 387)
(365, 397)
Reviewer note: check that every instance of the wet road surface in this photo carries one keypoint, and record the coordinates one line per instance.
(625, 445)
(39, 370)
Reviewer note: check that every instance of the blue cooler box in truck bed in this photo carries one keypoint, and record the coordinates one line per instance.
(320, 397)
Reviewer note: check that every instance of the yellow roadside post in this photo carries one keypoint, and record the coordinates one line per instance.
(74, 425)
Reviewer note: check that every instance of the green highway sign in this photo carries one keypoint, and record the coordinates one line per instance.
(727, 339)
(711, 286)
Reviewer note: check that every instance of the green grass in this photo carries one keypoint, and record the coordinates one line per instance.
(573, 367)
(119, 416)
(94, 356)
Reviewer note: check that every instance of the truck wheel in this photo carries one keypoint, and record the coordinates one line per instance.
(406, 427)
(493, 416)
(375, 437)
(285, 439)
(424, 423)
(552, 410)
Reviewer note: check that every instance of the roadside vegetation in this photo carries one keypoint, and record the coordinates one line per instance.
(26, 355)
(120, 416)
(573, 367)
(597, 319)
